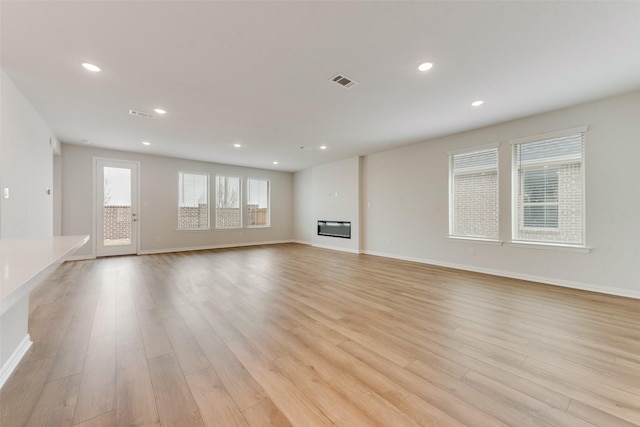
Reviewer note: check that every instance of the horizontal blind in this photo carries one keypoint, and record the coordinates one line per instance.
(193, 201)
(549, 199)
(193, 189)
(473, 199)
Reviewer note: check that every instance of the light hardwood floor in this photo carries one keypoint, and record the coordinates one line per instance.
(293, 335)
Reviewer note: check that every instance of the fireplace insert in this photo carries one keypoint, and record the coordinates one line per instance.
(335, 229)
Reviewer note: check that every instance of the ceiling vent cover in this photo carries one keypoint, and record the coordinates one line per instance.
(140, 114)
(344, 81)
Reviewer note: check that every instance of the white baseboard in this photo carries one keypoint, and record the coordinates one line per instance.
(301, 242)
(335, 248)
(15, 358)
(206, 247)
(540, 279)
(80, 257)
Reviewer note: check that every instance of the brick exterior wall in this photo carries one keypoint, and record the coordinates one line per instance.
(228, 217)
(475, 199)
(117, 222)
(117, 219)
(193, 217)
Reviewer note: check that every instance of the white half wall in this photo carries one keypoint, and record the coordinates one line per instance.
(26, 170)
(158, 215)
(14, 338)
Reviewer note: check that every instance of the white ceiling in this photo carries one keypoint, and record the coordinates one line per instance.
(257, 73)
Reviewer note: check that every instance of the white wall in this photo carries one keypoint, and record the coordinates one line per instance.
(407, 189)
(328, 192)
(158, 211)
(26, 166)
(57, 195)
(304, 223)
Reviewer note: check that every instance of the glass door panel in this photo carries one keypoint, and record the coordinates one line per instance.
(116, 207)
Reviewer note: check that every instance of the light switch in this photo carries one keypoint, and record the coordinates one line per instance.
(6, 193)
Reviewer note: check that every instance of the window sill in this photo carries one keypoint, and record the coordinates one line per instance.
(480, 240)
(550, 246)
(250, 227)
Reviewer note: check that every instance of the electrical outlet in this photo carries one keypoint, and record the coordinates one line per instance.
(6, 193)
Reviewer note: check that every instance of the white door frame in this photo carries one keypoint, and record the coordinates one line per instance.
(98, 247)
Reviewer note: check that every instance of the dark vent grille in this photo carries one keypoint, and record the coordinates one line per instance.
(343, 81)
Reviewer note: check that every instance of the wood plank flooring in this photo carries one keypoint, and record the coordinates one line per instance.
(291, 335)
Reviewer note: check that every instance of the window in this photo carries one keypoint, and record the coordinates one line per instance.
(257, 202)
(228, 198)
(193, 201)
(473, 194)
(548, 186)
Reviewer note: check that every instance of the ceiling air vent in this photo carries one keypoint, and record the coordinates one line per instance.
(141, 114)
(344, 81)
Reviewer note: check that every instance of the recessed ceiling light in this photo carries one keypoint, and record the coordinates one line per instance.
(275, 163)
(425, 66)
(146, 143)
(323, 147)
(237, 145)
(160, 111)
(477, 103)
(91, 67)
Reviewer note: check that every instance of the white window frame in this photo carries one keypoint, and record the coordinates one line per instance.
(516, 188)
(207, 193)
(240, 203)
(268, 181)
(451, 155)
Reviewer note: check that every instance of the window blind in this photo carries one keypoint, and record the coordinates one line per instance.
(193, 201)
(473, 194)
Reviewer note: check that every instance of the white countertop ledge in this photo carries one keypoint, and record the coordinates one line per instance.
(26, 261)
